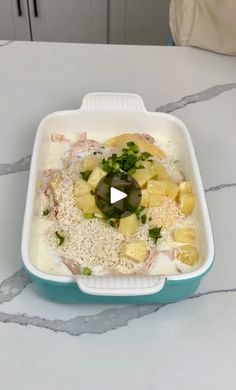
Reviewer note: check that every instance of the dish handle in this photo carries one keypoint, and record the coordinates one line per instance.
(113, 102)
(120, 285)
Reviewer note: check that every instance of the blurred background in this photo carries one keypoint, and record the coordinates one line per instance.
(138, 22)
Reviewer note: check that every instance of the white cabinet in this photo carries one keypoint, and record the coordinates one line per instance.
(14, 20)
(86, 21)
(142, 22)
(54, 20)
(69, 20)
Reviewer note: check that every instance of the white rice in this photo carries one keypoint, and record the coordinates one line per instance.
(81, 235)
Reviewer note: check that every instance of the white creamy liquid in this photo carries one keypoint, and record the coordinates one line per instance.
(48, 261)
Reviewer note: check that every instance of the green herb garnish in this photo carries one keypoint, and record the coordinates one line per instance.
(143, 218)
(92, 192)
(139, 211)
(89, 215)
(145, 156)
(155, 233)
(112, 222)
(46, 212)
(85, 174)
(60, 238)
(111, 165)
(132, 171)
(87, 271)
(133, 147)
(128, 161)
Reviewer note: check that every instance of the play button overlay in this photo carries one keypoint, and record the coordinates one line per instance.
(118, 195)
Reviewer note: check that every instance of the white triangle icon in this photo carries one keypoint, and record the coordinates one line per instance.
(116, 195)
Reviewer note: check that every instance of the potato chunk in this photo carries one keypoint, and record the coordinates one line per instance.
(128, 225)
(185, 234)
(145, 198)
(135, 250)
(166, 188)
(81, 187)
(187, 203)
(160, 171)
(171, 189)
(156, 187)
(156, 200)
(187, 254)
(143, 175)
(89, 163)
(185, 187)
(95, 177)
(86, 203)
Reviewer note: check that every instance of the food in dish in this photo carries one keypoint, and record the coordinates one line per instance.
(74, 236)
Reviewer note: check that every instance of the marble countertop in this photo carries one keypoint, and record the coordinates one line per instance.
(186, 345)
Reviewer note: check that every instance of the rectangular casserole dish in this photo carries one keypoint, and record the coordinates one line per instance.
(104, 115)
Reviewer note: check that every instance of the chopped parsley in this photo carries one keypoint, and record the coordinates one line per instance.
(85, 174)
(139, 211)
(132, 147)
(46, 212)
(145, 156)
(155, 233)
(132, 171)
(140, 214)
(86, 271)
(112, 222)
(60, 238)
(89, 215)
(144, 218)
(128, 161)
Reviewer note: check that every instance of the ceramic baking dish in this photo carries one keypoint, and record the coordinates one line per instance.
(103, 115)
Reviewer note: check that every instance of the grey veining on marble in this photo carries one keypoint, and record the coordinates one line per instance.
(220, 187)
(94, 324)
(19, 166)
(12, 286)
(103, 322)
(201, 96)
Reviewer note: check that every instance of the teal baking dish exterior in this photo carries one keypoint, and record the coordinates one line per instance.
(112, 112)
(173, 291)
